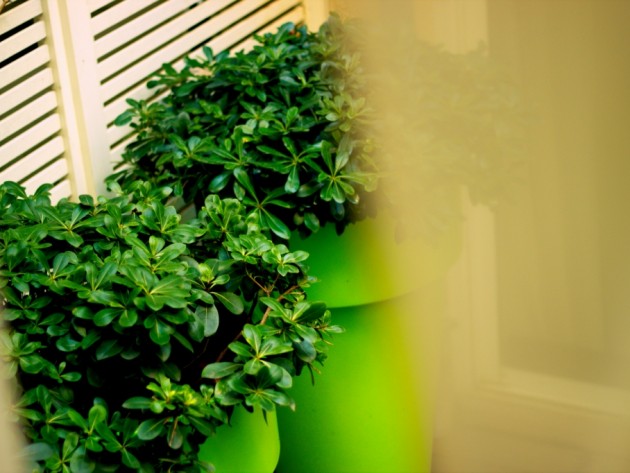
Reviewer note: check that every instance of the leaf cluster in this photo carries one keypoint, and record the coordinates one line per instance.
(280, 127)
(133, 334)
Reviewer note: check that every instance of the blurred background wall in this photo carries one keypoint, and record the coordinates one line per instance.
(534, 365)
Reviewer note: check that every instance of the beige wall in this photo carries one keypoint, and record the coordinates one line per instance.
(535, 347)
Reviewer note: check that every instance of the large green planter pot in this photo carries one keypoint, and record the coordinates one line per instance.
(249, 445)
(370, 410)
(367, 264)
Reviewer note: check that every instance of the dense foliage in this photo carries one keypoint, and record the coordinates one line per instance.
(279, 127)
(133, 334)
(303, 127)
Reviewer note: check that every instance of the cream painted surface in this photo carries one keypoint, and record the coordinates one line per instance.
(535, 371)
(534, 365)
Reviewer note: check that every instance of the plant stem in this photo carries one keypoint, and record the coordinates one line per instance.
(170, 440)
(265, 316)
(224, 351)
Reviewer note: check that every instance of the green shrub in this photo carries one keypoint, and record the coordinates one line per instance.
(279, 127)
(133, 335)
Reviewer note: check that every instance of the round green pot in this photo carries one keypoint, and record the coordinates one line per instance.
(370, 411)
(367, 264)
(249, 445)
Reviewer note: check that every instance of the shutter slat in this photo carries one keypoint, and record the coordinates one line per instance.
(157, 38)
(21, 40)
(117, 133)
(250, 25)
(118, 14)
(94, 5)
(52, 173)
(138, 26)
(19, 15)
(34, 161)
(25, 90)
(26, 115)
(228, 38)
(36, 134)
(61, 190)
(294, 16)
(118, 150)
(144, 35)
(140, 92)
(145, 68)
(24, 65)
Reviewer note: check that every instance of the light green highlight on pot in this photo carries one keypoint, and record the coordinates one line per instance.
(248, 445)
(369, 412)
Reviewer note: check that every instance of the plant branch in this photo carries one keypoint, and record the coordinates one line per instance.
(262, 288)
(265, 316)
(225, 350)
(172, 436)
(288, 291)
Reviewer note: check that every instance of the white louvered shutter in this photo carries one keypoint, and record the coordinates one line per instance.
(103, 52)
(32, 147)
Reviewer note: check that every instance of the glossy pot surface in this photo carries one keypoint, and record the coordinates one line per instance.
(370, 411)
(367, 263)
(248, 445)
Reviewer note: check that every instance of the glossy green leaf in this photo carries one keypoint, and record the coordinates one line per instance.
(306, 351)
(77, 419)
(311, 221)
(293, 181)
(137, 403)
(128, 318)
(203, 426)
(243, 179)
(129, 459)
(38, 451)
(175, 436)
(208, 316)
(275, 346)
(160, 333)
(32, 364)
(70, 444)
(220, 369)
(241, 349)
(83, 312)
(252, 335)
(80, 463)
(183, 341)
(106, 316)
(313, 311)
(72, 376)
(150, 429)
(230, 301)
(108, 298)
(67, 344)
(219, 182)
(107, 349)
(276, 306)
(267, 377)
(277, 226)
